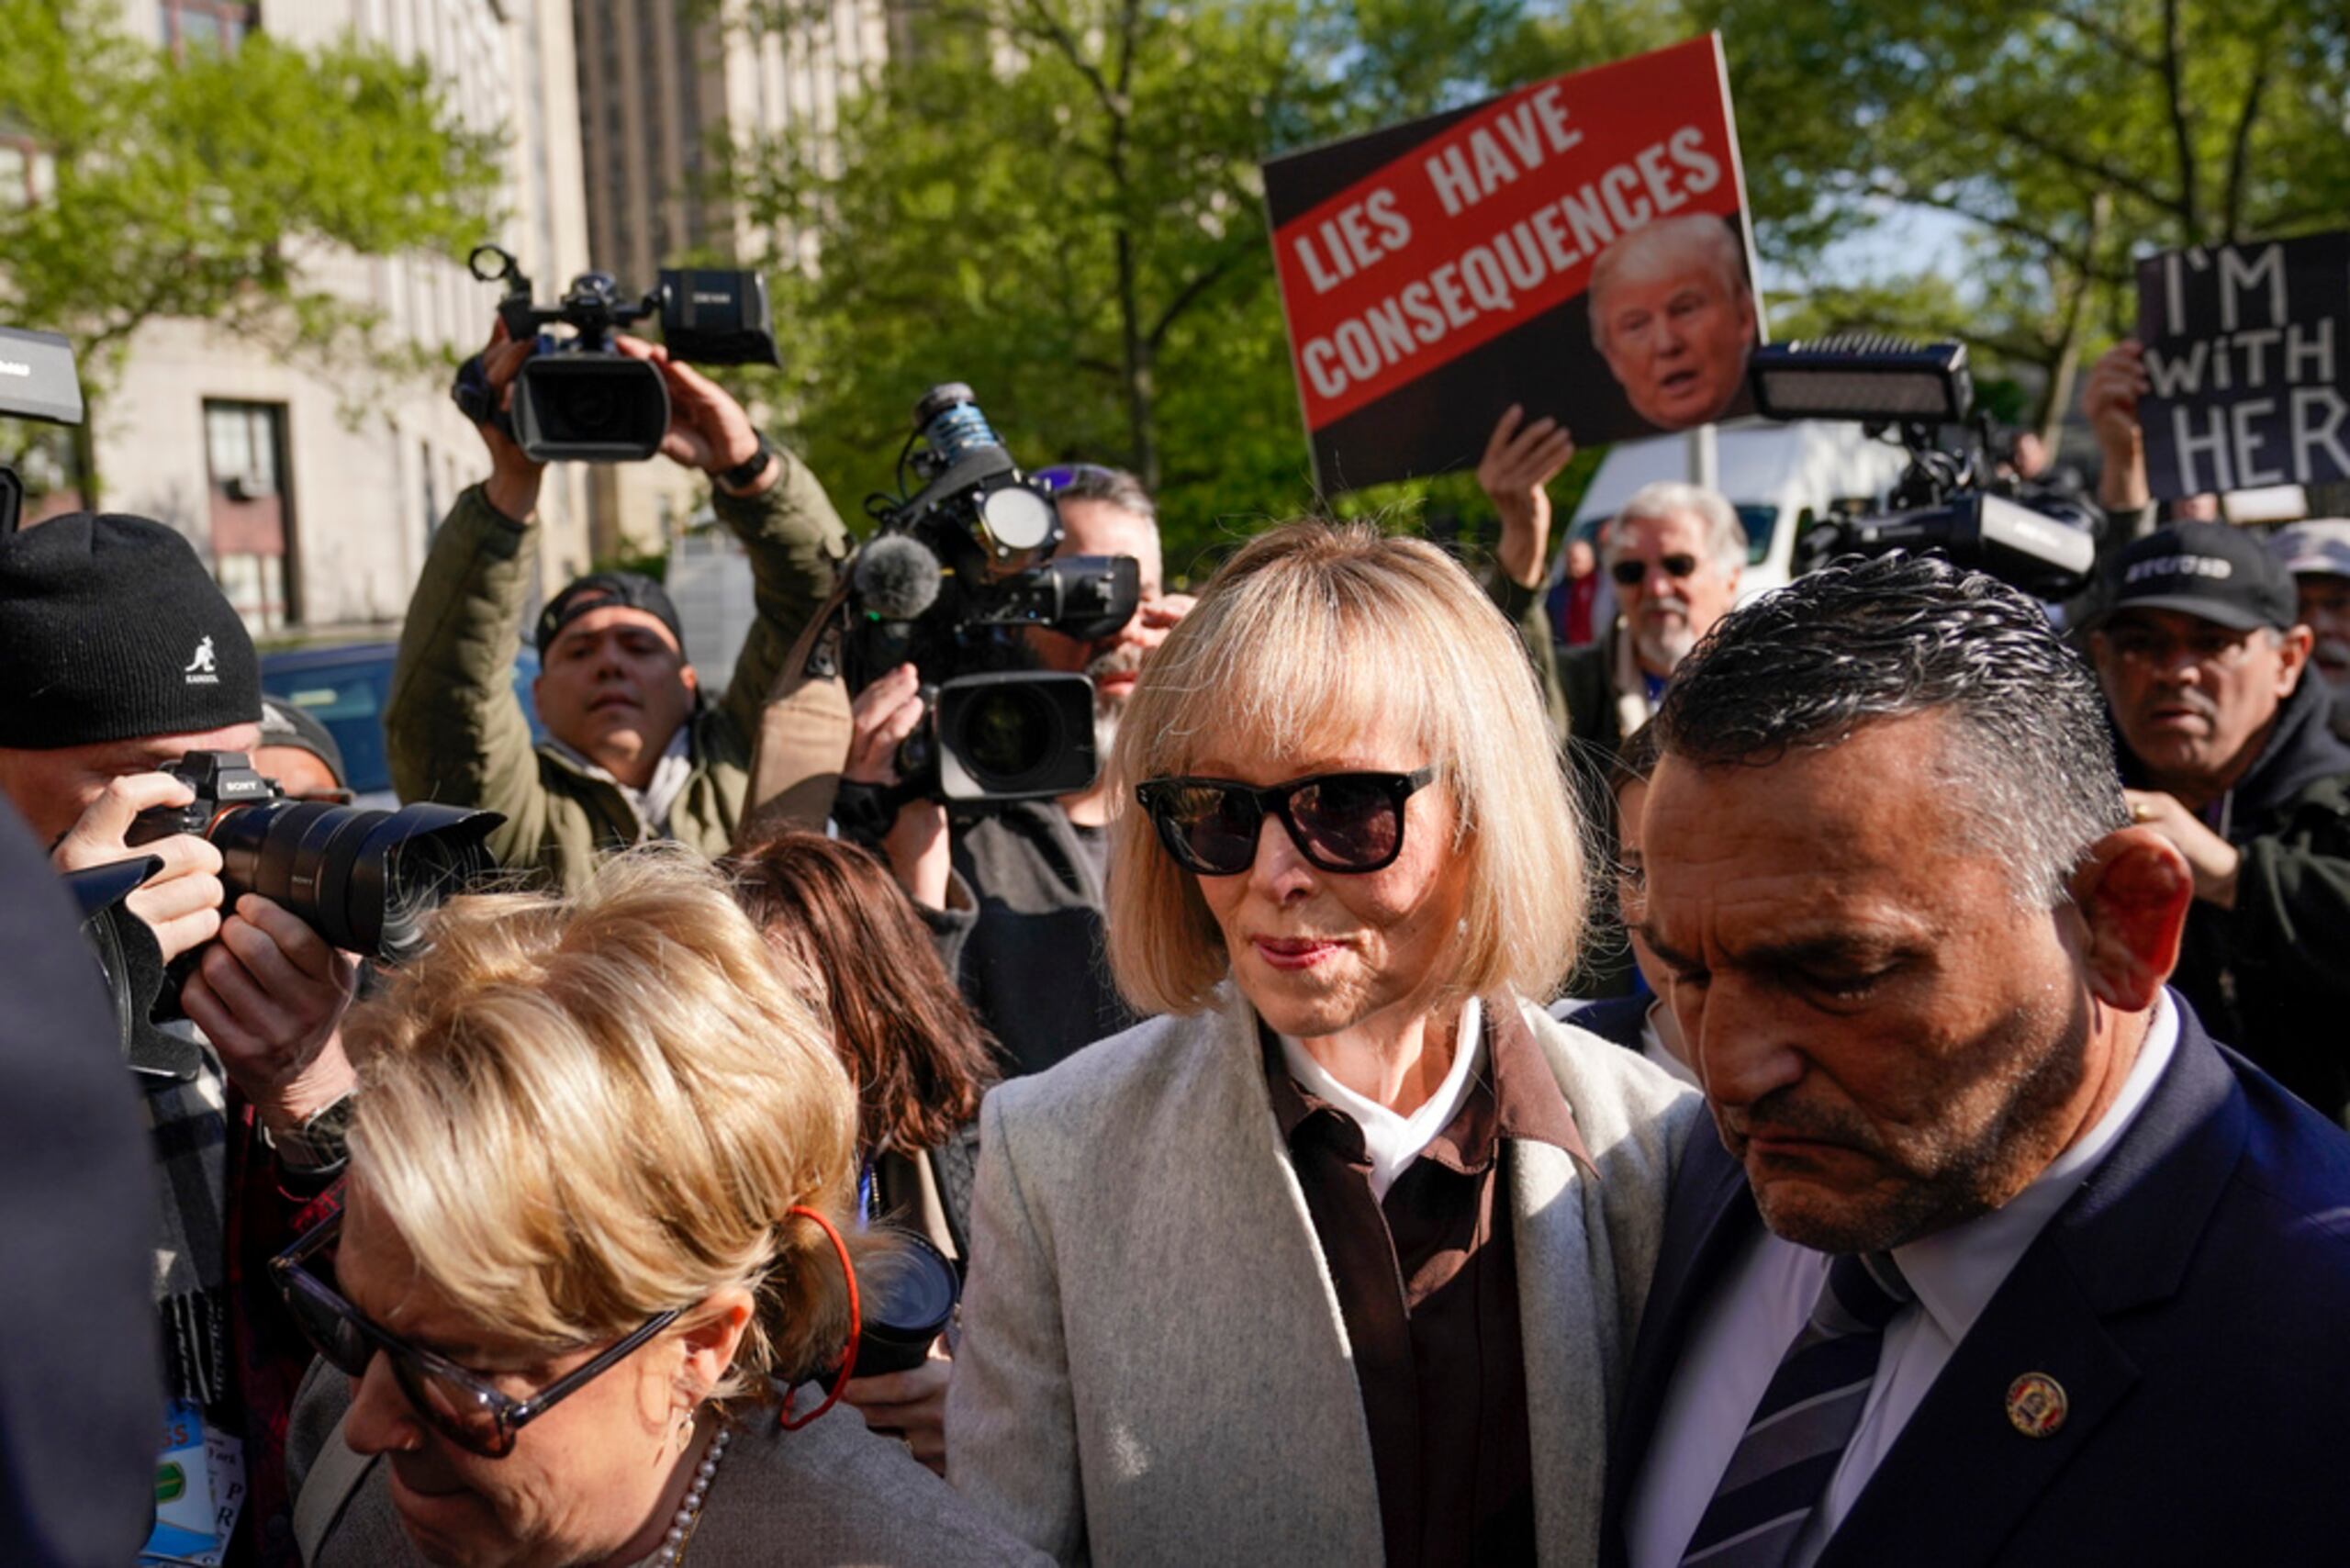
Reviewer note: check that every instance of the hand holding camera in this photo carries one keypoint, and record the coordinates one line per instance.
(181, 903)
(270, 994)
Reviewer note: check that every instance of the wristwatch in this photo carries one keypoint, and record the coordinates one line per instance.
(750, 468)
(317, 1147)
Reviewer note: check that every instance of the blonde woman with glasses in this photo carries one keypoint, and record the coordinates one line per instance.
(601, 1162)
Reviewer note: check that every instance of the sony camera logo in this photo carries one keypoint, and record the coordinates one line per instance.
(15, 368)
(2181, 566)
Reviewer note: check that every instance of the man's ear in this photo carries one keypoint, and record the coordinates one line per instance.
(2133, 892)
(693, 682)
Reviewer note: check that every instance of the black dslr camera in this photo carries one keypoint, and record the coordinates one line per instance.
(955, 568)
(363, 880)
(579, 399)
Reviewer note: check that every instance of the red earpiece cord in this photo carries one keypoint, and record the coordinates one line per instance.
(856, 1328)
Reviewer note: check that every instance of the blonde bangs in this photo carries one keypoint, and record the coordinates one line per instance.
(1317, 642)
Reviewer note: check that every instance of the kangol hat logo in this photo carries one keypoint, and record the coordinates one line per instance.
(2180, 567)
(202, 670)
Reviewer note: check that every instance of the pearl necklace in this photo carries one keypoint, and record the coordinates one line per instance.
(681, 1525)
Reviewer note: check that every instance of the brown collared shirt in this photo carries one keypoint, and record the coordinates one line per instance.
(1427, 1285)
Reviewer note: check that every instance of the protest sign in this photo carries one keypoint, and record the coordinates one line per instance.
(2243, 347)
(1433, 274)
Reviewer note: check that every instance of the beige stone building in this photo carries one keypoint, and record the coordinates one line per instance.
(664, 89)
(315, 498)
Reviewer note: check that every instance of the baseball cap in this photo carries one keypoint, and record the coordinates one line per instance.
(2319, 546)
(606, 591)
(2210, 570)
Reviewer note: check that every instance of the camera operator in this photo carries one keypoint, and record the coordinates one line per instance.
(122, 656)
(634, 749)
(1015, 889)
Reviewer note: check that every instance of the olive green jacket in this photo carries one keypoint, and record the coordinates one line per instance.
(455, 733)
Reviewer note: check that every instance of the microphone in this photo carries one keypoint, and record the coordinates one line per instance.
(896, 577)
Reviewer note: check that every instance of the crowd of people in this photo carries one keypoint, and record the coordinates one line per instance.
(1840, 1079)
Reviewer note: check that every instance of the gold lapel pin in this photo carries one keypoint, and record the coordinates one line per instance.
(2036, 1405)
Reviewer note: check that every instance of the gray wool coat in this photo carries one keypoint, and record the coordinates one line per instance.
(1154, 1368)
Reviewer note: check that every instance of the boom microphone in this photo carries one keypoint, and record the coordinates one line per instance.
(896, 577)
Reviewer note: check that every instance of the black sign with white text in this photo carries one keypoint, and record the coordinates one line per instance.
(2245, 349)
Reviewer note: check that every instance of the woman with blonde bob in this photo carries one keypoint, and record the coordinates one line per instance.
(1337, 1262)
(600, 1162)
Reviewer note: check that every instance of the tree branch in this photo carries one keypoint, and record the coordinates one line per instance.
(1190, 293)
(2182, 133)
(2240, 143)
(2103, 173)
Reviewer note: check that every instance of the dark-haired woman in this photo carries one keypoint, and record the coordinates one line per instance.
(919, 1059)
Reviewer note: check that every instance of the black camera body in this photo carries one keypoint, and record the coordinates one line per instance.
(579, 399)
(364, 879)
(953, 570)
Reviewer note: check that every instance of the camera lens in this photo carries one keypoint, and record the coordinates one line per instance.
(363, 880)
(1010, 732)
(911, 1291)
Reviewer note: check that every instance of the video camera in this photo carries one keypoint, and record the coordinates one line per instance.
(953, 569)
(37, 382)
(579, 399)
(1948, 499)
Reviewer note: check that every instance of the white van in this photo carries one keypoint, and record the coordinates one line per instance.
(1782, 479)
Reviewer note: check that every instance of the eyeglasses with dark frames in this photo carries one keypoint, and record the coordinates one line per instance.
(459, 1404)
(1350, 823)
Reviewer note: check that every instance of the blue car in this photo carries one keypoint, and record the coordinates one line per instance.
(345, 689)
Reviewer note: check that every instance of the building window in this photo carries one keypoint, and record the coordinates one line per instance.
(27, 173)
(206, 24)
(252, 521)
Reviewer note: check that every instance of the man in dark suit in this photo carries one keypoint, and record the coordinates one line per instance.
(1999, 1259)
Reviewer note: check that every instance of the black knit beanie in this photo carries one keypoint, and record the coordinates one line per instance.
(111, 630)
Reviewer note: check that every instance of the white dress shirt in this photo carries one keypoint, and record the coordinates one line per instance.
(1754, 1314)
(1394, 1141)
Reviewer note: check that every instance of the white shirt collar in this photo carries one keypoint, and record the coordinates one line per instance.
(1393, 1141)
(1957, 1272)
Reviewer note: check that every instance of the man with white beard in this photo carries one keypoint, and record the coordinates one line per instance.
(1014, 890)
(1673, 554)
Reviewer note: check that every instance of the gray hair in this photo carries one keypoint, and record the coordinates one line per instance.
(1725, 535)
(2031, 760)
(1669, 243)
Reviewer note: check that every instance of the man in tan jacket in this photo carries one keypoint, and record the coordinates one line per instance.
(635, 750)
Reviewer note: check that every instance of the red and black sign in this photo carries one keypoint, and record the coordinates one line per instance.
(1433, 274)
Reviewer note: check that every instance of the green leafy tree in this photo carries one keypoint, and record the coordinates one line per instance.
(200, 186)
(2072, 136)
(1058, 201)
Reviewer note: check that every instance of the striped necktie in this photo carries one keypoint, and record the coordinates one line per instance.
(1782, 1465)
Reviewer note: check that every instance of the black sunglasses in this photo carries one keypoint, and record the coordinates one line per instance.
(1631, 573)
(1348, 822)
(461, 1406)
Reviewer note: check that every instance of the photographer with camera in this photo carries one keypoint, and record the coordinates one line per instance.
(634, 748)
(121, 658)
(1016, 888)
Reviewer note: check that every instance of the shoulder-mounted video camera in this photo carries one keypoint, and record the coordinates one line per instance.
(955, 568)
(1948, 499)
(578, 399)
